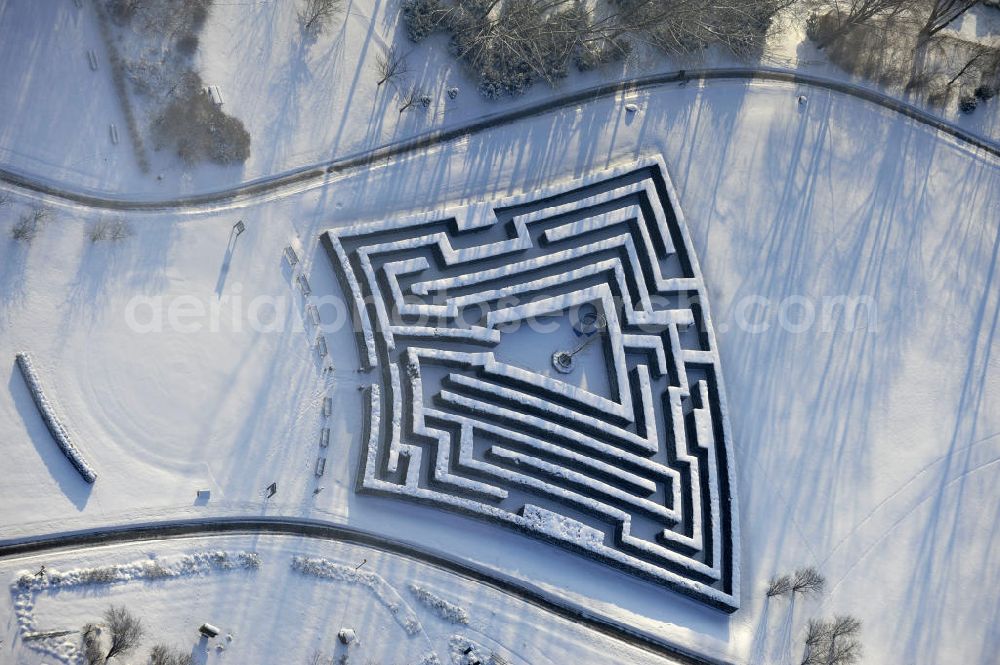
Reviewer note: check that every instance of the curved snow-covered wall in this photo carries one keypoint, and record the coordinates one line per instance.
(638, 476)
(47, 411)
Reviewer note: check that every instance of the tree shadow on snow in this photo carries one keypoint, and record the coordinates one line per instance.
(12, 277)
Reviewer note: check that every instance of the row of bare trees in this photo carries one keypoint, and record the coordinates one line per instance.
(833, 642)
(316, 14)
(903, 43)
(393, 71)
(939, 14)
(807, 581)
(943, 13)
(827, 642)
(510, 44)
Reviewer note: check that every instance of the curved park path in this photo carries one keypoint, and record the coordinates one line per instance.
(314, 172)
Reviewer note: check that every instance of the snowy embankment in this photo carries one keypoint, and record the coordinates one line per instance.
(443, 608)
(386, 595)
(52, 422)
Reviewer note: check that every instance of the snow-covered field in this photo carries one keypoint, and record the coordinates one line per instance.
(868, 451)
(296, 613)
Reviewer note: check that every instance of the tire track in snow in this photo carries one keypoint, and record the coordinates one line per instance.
(904, 516)
(892, 496)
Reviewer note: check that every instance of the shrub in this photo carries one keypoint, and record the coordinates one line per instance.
(102, 575)
(985, 93)
(161, 654)
(154, 570)
(967, 104)
(249, 560)
(198, 130)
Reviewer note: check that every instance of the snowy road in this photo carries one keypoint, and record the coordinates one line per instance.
(325, 531)
(293, 180)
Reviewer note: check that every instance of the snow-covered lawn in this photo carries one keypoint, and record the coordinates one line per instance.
(279, 614)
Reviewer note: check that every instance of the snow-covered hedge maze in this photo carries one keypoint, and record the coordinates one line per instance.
(638, 476)
(56, 428)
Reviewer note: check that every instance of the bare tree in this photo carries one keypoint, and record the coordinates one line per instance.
(411, 98)
(844, 646)
(93, 654)
(779, 586)
(817, 635)
(808, 581)
(943, 12)
(99, 230)
(981, 58)
(832, 642)
(853, 13)
(26, 228)
(120, 230)
(317, 658)
(316, 13)
(4, 199)
(161, 654)
(390, 65)
(110, 229)
(126, 631)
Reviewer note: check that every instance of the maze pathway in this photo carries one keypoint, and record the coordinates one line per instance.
(638, 475)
